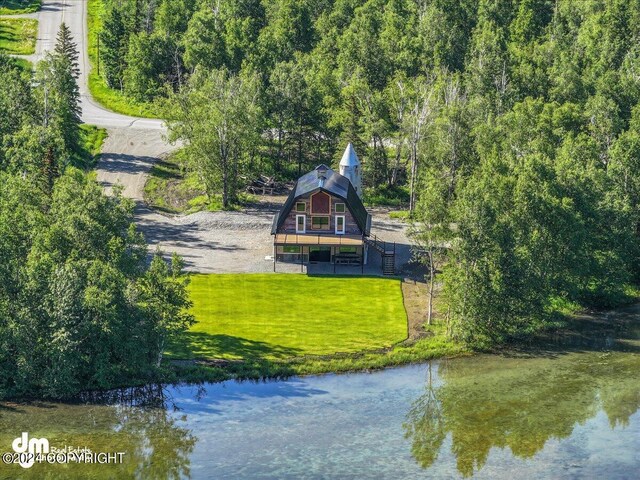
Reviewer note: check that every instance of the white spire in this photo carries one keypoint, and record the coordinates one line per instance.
(350, 168)
(349, 157)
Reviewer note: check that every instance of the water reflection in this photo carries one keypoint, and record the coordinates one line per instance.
(559, 413)
(518, 404)
(156, 442)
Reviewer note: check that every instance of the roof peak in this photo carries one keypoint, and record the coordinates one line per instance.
(322, 166)
(349, 157)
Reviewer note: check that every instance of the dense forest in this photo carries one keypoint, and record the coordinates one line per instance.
(512, 127)
(80, 305)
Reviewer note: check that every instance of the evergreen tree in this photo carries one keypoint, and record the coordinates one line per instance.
(66, 47)
(114, 43)
(59, 98)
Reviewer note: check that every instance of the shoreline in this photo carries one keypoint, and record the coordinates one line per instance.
(593, 328)
(401, 354)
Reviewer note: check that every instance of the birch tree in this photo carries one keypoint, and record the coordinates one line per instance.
(216, 116)
(421, 115)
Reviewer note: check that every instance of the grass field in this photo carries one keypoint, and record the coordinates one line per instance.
(15, 7)
(18, 35)
(101, 92)
(273, 317)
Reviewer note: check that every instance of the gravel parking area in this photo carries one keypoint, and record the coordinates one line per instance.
(216, 242)
(219, 242)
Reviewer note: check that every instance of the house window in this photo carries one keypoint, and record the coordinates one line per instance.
(301, 223)
(301, 207)
(339, 224)
(320, 223)
(339, 207)
(291, 249)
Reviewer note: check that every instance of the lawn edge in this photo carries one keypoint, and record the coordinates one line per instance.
(195, 372)
(409, 351)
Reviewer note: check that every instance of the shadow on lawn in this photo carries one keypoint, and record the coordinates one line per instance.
(201, 345)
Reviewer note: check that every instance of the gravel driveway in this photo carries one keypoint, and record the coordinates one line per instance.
(241, 241)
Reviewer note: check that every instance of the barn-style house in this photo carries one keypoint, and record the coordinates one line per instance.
(324, 219)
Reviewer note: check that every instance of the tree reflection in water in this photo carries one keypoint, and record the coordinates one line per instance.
(521, 403)
(135, 421)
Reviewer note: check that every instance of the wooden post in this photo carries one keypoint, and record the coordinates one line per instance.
(98, 54)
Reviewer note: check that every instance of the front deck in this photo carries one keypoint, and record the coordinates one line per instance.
(330, 253)
(318, 248)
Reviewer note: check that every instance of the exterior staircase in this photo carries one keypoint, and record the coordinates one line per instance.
(387, 251)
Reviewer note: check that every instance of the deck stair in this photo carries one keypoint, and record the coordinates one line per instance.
(387, 251)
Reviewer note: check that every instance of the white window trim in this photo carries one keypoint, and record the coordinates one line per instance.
(304, 223)
(335, 206)
(344, 225)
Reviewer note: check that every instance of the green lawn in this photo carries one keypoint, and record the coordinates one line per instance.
(272, 317)
(18, 35)
(14, 7)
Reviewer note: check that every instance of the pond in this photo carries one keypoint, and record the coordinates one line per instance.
(560, 413)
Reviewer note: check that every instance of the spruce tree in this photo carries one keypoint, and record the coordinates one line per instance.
(60, 97)
(66, 47)
(114, 44)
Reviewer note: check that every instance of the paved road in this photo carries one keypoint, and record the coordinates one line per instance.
(133, 143)
(206, 241)
(74, 14)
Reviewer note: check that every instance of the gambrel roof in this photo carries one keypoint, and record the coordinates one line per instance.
(334, 184)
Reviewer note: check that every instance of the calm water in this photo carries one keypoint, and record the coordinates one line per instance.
(555, 415)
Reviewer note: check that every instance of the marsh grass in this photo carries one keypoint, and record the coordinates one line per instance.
(429, 348)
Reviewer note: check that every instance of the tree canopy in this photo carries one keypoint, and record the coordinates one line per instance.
(510, 127)
(81, 307)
